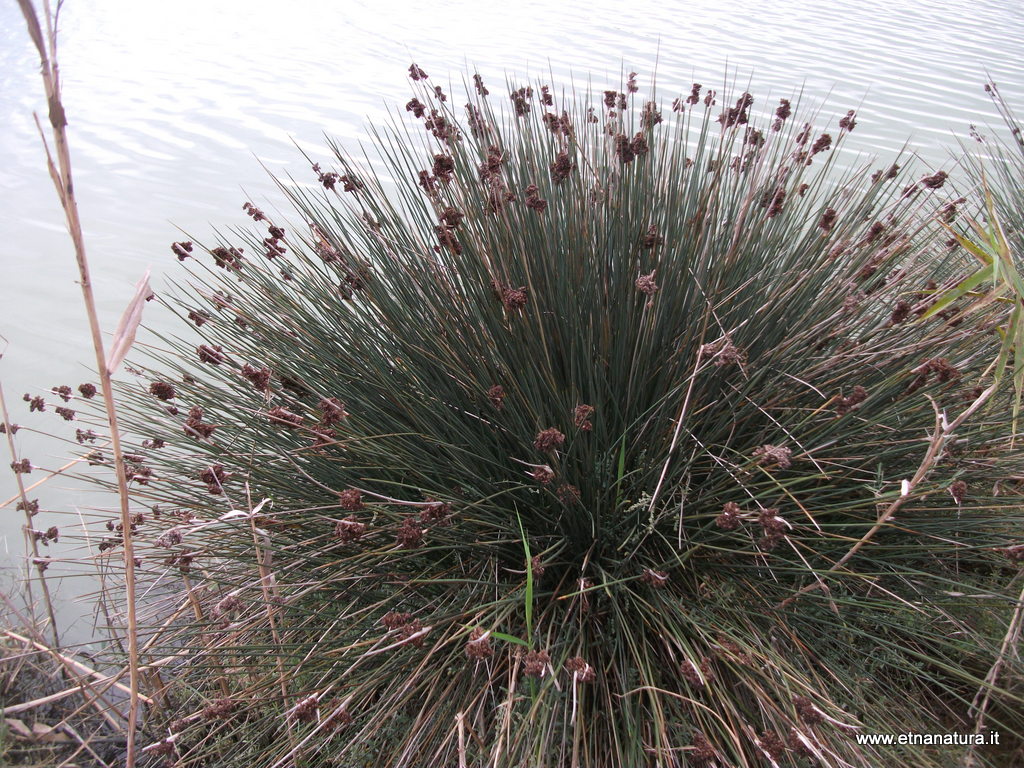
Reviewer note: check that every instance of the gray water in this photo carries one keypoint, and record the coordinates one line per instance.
(175, 109)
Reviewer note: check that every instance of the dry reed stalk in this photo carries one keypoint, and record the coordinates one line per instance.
(62, 179)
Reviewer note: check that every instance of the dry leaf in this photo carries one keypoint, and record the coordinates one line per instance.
(124, 336)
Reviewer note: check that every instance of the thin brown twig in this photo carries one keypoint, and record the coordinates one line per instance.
(30, 538)
(943, 431)
(51, 475)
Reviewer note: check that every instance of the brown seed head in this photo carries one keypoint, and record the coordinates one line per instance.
(581, 417)
(351, 499)
(730, 519)
(768, 455)
(548, 440)
(581, 671)
(535, 664)
(349, 530)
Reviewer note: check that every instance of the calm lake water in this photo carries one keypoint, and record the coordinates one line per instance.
(175, 109)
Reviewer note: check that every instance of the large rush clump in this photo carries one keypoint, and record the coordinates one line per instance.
(581, 430)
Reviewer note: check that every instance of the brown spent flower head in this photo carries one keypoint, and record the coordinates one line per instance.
(306, 711)
(638, 145)
(782, 112)
(84, 436)
(543, 474)
(214, 476)
(652, 239)
(511, 298)
(651, 115)
(568, 494)
(478, 83)
(416, 73)
(194, 425)
(496, 395)
(395, 619)
(332, 411)
(214, 355)
(255, 213)
(87, 390)
(35, 403)
(773, 527)
(537, 566)
(410, 535)
(737, 115)
(900, 312)
(958, 490)
(417, 108)
(580, 670)
(349, 529)
(198, 316)
(581, 417)
(229, 605)
(536, 663)
(338, 719)
(14, 429)
(435, 512)
(521, 100)
(772, 744)
(849, 122)
(478, 646)
(777, 203)
(258, 377)
(63, 391)
(182, 250)
(22, 467)
(351, 499)
(697, 675)
(533, 199)
(219, 709)
(656, 579)
(548, 440)
(624, 149)
(851, 401)
(702, 752)
(936, 180)
(162, 390)
(943, 370)
(730, 518)
(65, 413)
(562, 167)
(891, 173)
(821, 144)
(647, 286)
(32, 507)
(771, 522)
(723, 352)
(768, 455)
(284, 417)
(444, 167)
(227, 258)
(805, 708)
